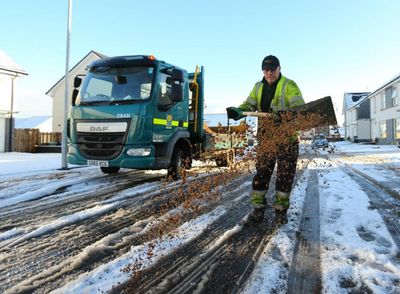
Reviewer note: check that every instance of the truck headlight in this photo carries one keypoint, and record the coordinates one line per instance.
(139, 152)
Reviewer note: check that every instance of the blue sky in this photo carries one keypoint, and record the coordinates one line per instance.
(327, 47)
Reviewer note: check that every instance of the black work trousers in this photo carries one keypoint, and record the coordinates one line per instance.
(286, 159)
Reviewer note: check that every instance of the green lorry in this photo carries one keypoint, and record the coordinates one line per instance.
(138, 112)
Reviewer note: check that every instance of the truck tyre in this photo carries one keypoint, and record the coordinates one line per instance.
(221, 161)
(225, 159)
(180, 159)
(110, 169)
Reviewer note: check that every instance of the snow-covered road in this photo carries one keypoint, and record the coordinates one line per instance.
(78, 230)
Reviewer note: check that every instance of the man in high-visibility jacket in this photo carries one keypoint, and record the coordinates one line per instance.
(274, 93)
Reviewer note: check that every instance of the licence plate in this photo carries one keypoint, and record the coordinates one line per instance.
(101, 163)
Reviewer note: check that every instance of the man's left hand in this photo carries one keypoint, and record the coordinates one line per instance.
(234, 113)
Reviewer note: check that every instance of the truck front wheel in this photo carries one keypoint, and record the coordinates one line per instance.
(109, 169)
(180, 160)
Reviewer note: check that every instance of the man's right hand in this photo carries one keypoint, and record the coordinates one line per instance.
(234, 113)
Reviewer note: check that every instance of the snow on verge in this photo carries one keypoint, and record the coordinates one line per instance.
(357, 251)
(19, 163)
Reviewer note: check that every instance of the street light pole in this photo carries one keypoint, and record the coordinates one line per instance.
(64, 163)
(11, 129)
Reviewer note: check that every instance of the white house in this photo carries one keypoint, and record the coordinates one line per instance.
(385, 112)
(3, 133)
(356, 116)
(56, 92)
(9, 71)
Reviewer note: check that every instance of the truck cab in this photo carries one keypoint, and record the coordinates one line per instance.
(136, 112)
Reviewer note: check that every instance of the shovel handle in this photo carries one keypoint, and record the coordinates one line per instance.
(257, 114)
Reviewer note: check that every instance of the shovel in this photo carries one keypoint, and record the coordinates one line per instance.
(322, 107)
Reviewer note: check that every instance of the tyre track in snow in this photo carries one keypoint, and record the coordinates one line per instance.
(80, 236)
(125, 246)
(181, 263)
(26, 257)
(50, 206)
(232, 249)
(185, 273)
(52, 245)
(305, 269)
(44, 190)
(17, 191)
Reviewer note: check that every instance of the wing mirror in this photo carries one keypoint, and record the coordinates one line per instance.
(77, 82)
(177, 75)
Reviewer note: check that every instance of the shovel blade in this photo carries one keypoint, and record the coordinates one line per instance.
(322, 107)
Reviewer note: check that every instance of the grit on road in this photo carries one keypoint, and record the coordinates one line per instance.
(79, 230)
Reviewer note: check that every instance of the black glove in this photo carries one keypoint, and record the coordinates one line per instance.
(234, 113)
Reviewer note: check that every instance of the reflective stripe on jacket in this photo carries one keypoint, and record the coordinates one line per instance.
(287, 95)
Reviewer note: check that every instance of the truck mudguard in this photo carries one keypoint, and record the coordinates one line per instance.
(164, 151)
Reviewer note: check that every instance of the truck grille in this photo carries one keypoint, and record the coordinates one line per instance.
(100, 145)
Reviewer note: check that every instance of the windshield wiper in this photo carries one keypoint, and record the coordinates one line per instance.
(83, 103)
(129, 101)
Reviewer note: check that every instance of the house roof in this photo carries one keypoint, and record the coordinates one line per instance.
(9, 65)
(44, 123)
(4, 113)
(394, 79)
(351, 100)
(100, 55)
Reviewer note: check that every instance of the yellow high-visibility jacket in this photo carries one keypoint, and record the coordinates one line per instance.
(287, 95)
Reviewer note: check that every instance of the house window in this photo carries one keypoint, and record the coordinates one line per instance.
(397, 128)
(373, 104)
(394, 96)
(383, 101)
(382, 130)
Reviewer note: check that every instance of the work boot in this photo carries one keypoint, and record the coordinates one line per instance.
(281, 206)
(281, 217)
(257, 215)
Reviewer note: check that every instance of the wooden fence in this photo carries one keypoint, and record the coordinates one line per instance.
(50, 138)
(26, 140)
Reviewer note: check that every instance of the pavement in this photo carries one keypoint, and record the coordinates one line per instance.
(390, 187)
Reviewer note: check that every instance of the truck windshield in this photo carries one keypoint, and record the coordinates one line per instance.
(107, 85)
